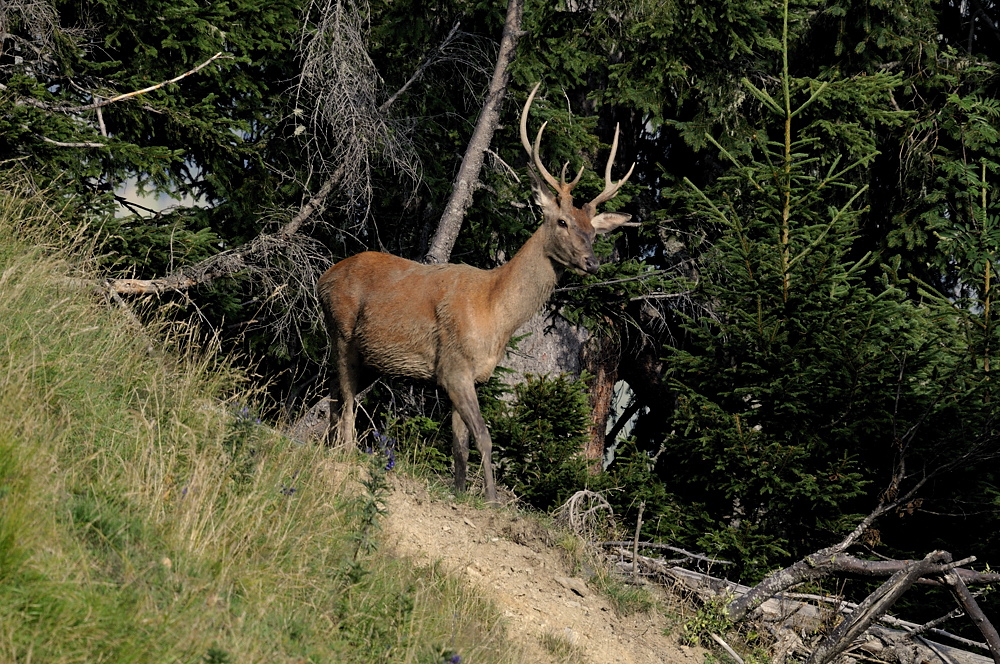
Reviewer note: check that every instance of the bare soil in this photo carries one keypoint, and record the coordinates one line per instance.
(515, 562)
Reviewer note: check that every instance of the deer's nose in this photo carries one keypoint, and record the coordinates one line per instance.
(591, 264)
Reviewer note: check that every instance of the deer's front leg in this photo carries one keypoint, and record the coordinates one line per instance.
(460, 448)
(465, 403)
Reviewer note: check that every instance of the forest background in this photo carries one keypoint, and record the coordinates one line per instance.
(804, 318)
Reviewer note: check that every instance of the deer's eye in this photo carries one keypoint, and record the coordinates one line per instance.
(562, 222)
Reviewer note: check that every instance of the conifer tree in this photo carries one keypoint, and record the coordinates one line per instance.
(787, 381)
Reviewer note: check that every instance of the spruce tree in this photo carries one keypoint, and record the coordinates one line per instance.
(787, 379)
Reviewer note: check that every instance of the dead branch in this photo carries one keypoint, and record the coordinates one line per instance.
(282, 268)
(345, 172)
(823, 562)
(106, 102)
(874, 606)
(833, 561)
(725, 646)
(788, 614)
(422, 67)
(635, 543)
(38, 18)
(937, 651)
(315, 203)
(875, 568)
(931, 625)
(63, 144)
(468, 173)
(971, 607)
(912, 629)
(582, 513)
(657, 545)
(344, 127)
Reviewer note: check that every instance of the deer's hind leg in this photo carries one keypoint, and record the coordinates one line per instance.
(345, 387)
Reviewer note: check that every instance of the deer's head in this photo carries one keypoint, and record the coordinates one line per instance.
(571, 229)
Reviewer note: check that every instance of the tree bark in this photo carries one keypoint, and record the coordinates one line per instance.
(600, 359)
(468, 173)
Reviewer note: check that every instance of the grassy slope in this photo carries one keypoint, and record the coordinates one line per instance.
(144, 518)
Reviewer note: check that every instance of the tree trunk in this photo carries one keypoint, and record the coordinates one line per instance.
(468, 173)
(600, 358)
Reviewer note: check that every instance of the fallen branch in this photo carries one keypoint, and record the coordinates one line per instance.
(816, 565)
(971, 607)
(667, 547)
(870, 568)
(727, 648)
(937, 650)
(874, 606)
(806, 615)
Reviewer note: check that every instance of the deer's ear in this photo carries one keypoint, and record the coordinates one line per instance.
(606, 222)
(543, 195)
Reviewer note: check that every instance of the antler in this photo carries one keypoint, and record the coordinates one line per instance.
(562, 188)
(610, 189)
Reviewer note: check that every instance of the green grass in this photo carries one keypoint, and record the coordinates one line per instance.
(145, 517)
(624, 597)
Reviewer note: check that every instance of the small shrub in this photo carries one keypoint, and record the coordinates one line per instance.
(424, 443)
(710, 618)
(539, 444)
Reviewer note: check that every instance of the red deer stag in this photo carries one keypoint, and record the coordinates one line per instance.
(452, 322)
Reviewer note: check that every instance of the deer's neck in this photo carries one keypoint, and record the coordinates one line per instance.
(524, 284)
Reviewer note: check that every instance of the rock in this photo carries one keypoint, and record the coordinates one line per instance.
(576, 585)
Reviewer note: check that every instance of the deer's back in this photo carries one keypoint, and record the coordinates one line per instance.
(410, 319)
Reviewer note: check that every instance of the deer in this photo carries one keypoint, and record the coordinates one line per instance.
(451, 323)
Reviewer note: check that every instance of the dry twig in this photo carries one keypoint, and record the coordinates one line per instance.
(583, 513)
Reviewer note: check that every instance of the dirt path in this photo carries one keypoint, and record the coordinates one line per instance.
(512, 559)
